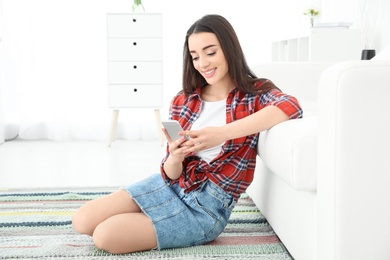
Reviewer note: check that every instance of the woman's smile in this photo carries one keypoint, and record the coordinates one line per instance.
(209, 73)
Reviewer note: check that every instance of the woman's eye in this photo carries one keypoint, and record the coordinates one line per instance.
(210, 54)
(194, 58)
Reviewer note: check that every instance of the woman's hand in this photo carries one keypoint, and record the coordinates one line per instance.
(203, 139)
(173, 167)
(176, 148)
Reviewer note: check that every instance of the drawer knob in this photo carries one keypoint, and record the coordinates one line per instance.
(135, 66)
(135, 90)
(134, 43)
(134, 20)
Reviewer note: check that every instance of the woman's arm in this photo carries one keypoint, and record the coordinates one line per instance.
(261, 120)
(211, 136)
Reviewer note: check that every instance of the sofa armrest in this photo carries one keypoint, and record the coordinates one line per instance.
(353, 161)
(289, 150)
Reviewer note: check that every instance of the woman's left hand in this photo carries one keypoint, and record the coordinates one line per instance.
(204, 138)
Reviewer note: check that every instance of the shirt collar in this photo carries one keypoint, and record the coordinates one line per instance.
(195, 94)
(198, 90)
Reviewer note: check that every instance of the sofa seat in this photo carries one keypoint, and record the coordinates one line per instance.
(290, 151)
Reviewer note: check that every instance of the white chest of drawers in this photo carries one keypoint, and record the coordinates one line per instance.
(134, 48)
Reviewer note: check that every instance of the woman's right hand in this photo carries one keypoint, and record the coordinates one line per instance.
(173, 166)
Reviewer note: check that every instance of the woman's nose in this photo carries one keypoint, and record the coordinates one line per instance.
(203, 62)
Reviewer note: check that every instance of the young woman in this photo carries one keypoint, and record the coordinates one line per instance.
(222, 108)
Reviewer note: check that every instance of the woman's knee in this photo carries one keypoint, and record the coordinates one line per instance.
(125, 233)
(104, 241)
(99, 239)
(81, 222)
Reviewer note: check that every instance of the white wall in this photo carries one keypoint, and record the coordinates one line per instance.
(350, 11)
(57, 48)
(1, 85)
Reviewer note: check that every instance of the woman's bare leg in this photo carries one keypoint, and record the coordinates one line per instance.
(125, 233)
(92, 213)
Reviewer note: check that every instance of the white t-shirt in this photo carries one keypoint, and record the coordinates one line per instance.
(212, 114)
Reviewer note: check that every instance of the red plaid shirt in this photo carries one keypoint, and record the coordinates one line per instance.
(234, 166)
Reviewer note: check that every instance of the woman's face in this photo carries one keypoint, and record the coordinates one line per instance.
(208, 57)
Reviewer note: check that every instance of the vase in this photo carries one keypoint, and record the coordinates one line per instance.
(368, 54)
(312, 21)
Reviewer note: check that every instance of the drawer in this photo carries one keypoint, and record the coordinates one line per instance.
(124, 49)
(135, 96)
(134, 25)
(134, 72)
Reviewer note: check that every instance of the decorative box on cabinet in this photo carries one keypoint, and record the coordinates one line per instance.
(134, 64)
(322, 44)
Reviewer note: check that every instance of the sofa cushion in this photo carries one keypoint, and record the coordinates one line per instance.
(289, 150)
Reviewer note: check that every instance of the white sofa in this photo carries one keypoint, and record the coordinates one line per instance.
(323, 181)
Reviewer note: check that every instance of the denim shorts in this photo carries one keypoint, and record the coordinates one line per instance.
(182, 219)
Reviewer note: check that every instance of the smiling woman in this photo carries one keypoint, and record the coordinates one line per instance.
(222, 107)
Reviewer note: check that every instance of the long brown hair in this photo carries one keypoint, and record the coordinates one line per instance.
(239, 71)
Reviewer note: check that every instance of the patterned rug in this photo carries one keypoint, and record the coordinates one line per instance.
(36, 224)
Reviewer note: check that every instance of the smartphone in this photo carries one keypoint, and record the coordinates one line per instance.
(173, 128)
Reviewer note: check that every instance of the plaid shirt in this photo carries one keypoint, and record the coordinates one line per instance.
(233, 168)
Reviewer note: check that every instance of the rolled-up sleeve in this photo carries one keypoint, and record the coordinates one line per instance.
(288, 104)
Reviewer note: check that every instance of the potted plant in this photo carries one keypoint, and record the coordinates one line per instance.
(137, 5)
(312, 13)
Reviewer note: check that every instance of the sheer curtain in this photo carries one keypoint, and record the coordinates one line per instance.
(55, 74)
